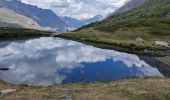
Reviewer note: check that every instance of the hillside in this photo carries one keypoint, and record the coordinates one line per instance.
(9, 18)
(136, 29)
(44, 17)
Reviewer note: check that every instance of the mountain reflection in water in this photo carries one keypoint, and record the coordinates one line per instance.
(48, 61)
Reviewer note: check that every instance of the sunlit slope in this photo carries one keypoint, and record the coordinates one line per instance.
(11, 18)
(150, 22)
(152, 16)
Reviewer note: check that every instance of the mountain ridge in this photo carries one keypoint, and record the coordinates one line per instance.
(79, 23)
(130, 5)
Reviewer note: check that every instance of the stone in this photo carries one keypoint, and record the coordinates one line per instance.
(6, 91)
(161, 43)
(4, 69)
(167, 16)
(138, 39)
(66, 98)
(146, 50)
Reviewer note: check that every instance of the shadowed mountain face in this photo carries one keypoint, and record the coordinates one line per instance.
(44, 17)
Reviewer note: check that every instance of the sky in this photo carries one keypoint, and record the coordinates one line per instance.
(80, 9)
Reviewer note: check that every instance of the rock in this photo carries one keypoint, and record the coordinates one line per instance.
(138, 39)
(167, 16)
(4, 69)
(66, 98)
(6, 91)
(160, 43)
(146, 50)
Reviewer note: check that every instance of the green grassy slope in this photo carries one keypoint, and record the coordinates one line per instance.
(150, 16)
(9, 16)
(147, 22)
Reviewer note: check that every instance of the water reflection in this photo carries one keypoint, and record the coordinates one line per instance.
(49, 61)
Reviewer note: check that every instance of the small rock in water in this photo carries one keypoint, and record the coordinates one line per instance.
(6, 91)
(66, 98)
(4, 69)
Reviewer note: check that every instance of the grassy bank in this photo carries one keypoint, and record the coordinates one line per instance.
(9, 33)
(120, 45)
(126, 89)
(126, 40)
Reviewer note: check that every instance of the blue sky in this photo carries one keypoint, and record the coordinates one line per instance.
(80, 9)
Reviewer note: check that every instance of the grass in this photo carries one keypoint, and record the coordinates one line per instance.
(124, 42)
(126, 89)
(9, 33)
(147, 22)
(165, 60)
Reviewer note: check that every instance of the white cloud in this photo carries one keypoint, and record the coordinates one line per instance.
(80, 9)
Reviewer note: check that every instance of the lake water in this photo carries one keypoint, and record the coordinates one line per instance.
(51, 61)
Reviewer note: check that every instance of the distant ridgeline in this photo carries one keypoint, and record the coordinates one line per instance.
(15, 12)
(79, 23)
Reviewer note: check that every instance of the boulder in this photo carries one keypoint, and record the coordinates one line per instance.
(139, 39)
(66, 98)
(161, 43)
(167, 16)
(4, 69)
(6, 91)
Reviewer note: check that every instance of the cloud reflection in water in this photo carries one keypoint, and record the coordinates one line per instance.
(49, 61)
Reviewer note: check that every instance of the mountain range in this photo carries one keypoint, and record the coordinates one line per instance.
(44, 17)
(79, 23)
(38, 18)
